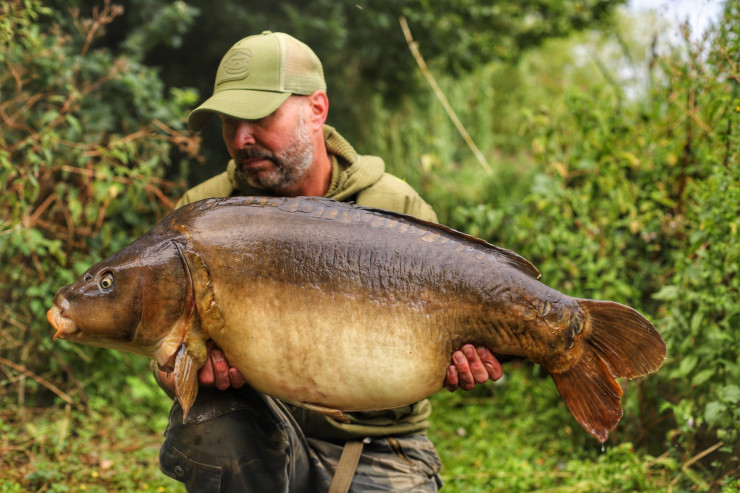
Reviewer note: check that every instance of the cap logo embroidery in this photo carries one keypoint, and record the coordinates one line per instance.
(235, 66)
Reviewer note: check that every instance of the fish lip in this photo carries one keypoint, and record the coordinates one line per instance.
(65, 327)
(169, 366)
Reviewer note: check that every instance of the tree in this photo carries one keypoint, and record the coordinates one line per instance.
(359, 42)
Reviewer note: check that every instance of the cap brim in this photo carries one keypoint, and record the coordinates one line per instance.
(244, 104)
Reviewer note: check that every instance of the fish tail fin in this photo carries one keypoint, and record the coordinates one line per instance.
(618, 342)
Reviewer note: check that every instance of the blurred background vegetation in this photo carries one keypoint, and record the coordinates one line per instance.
(614, 167)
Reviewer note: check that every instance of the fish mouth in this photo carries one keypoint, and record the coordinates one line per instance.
(65, 327)
(169, 365)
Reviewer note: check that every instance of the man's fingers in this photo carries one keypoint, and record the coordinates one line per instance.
(470, 366)
(236, 378)
(220, 369)
(217, 372)
(466, 380)
(478, 372)
(205, 376)
(451, 381)
(490, 363)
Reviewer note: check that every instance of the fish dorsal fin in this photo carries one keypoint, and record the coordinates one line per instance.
(502, 255)
(330, 209)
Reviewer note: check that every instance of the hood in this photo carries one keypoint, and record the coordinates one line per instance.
(351, 172)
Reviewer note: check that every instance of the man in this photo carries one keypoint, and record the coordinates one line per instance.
(270, 96)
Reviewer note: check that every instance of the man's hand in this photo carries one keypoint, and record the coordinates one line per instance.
(217, 372)
(471, 366)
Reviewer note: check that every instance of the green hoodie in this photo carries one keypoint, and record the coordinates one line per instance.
(363, 180)
(356, 178)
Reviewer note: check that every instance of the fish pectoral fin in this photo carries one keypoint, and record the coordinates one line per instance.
(187, 365)
(326, 411)
(209, 313)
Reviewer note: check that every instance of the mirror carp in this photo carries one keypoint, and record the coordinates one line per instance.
(338, 307)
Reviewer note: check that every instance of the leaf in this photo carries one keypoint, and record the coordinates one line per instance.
(702, 377)
(714, 412)
(730, 393)
(688, 363)
(696, 322)
(74, 123)
(667, 293)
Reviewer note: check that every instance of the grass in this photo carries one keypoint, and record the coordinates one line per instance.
(512, 436)
(55, 450)
(518, 436)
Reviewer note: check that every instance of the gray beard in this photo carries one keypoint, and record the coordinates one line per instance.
(290, 165)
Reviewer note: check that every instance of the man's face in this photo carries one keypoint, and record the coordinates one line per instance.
(274, 152)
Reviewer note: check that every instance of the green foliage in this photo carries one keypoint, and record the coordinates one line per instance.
(99, 451)
(516, 439)
(85, 138)
(459, 34)
(628, 191)
(637, 201)
(360, 43)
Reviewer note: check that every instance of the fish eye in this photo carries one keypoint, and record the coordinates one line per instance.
(106, 282)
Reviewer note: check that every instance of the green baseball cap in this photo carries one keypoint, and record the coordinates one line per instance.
(257, 75)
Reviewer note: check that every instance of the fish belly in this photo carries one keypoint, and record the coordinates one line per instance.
(336, 350)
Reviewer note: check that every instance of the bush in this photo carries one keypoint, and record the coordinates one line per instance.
(615, 189)
(85, 138)
(637, 201)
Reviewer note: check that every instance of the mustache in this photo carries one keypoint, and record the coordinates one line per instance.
(254, 152)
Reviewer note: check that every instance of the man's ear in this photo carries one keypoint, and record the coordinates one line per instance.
(319, 104)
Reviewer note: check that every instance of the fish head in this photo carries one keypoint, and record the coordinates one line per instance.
(136, 300)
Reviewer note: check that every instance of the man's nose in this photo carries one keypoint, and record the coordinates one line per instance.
(243, 134)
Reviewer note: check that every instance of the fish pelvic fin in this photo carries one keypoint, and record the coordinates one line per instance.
(618, 342)
(190, 358)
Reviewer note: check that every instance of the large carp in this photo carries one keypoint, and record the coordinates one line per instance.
(343, 308)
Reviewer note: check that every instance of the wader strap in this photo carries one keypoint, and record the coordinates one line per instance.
(346, 467)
